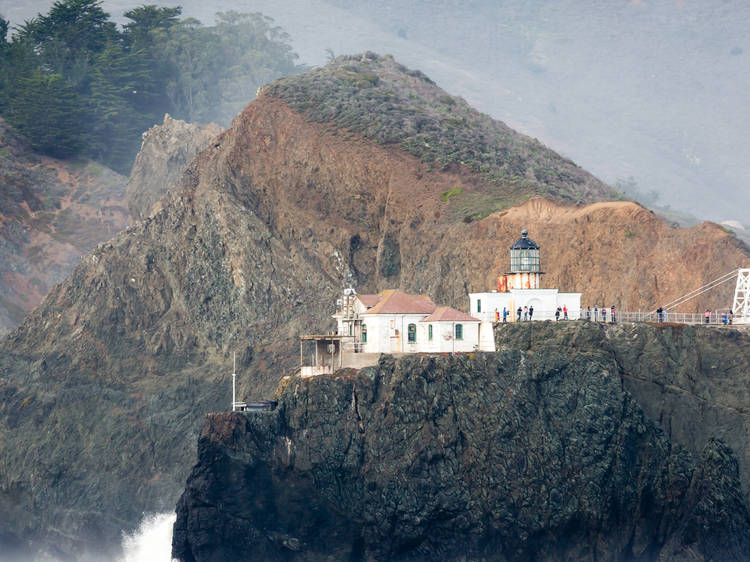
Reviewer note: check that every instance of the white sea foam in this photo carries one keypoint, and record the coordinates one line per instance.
(152, 541)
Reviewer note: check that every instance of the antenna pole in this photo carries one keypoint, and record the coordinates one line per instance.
(234, 379)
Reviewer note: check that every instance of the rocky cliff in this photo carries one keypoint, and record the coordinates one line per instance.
(691, 380)
(535, 452)
(165, 152)
(268, 223)
(51, 213)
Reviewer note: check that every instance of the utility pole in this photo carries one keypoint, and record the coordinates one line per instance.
(234, 379)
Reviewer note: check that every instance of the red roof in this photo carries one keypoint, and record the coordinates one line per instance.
(396, 302)
(369, 300)
(448, 314)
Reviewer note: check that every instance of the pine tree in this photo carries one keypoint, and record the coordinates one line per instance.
(50, 113)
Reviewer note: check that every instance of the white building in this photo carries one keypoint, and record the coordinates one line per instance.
(521, 287)
(397, 322)
(448, 330)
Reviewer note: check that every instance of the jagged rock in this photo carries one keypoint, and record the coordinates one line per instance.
(165, 151)
(535, 455)
(692, 380)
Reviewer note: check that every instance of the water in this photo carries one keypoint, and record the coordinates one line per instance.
(152, 541)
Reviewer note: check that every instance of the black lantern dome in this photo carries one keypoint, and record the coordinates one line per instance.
(524, 242)
(524, 255)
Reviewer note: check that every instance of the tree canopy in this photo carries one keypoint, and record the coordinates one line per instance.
(74, 83)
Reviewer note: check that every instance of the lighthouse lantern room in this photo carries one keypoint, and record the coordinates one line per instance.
(520, 288)
(525, 271)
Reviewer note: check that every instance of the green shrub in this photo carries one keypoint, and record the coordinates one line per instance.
(445, 195)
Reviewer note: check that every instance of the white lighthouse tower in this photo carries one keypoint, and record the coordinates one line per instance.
(521, 286)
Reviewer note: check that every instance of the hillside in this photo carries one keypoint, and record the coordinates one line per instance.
(268, 223)
(385, 102)
(51, 213)
(652, 90)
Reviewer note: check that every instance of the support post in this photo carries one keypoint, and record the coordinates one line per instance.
(741, 304)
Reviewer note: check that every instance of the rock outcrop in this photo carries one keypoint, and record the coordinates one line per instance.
(165, 152)
(51, 213)
(268, 223)
(691, 380)
(527, 454)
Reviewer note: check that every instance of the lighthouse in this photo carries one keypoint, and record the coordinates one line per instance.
(520, 287)
(525, 271)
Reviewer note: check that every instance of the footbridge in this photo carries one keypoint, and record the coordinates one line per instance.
(736, 315)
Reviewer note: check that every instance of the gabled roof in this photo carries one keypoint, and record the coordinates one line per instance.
(369, 300)
(448, 314)
(396, 302)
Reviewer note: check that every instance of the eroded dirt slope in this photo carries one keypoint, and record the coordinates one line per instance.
(51, 213)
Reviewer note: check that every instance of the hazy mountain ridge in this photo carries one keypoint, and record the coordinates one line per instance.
(652, 90)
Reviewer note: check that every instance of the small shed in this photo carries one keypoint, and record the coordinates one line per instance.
(321, 353)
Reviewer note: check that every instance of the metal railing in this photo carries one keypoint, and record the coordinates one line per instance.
(716, 318)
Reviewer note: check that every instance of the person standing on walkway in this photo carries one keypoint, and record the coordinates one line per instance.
(497, 316)
(731, 317)
(588, 313)
(659, 313)
(604, 315)
(708, 316)
(557, 314)
(612, 316)
(666, 315)
(565, 312)
(505, 315)
(531, 312)
(518, 314)
(724, 318)
(525, 312)
(596, 313)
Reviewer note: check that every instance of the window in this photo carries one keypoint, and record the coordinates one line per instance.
(459, 331)
(364, 333)
(429, 332)
(412, 333)
(479, 305)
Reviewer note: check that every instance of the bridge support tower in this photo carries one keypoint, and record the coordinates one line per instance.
(741, 304)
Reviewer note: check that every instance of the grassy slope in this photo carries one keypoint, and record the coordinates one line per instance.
(386, 102)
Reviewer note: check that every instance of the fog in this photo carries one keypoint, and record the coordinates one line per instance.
(648, 94)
